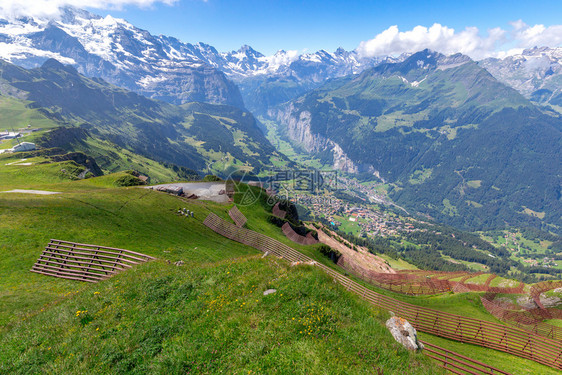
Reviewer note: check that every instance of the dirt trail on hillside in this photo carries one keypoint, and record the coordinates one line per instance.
(362, 256)
(39, 192)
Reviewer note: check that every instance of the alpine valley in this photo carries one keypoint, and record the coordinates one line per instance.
(189, 211)
(456, 143)
(465, 143)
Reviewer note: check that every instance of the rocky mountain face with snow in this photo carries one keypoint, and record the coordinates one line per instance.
(536, 73)
(267, 81)
(162, 67)
(113, 49)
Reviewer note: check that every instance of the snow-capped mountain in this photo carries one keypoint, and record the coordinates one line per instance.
(163, 67)
(536, 73)
(318, 66)
(266, 81)
(120, 53)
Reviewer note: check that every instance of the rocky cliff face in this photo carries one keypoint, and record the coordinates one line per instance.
(299, 130)
(121, 54)
(536, 73)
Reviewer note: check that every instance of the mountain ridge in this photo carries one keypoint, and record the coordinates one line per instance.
(536, 73)
(430, 125)
(118, 52)
(163, 67)
(192, 136)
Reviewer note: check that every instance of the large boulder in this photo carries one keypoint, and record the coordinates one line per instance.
(404, 333)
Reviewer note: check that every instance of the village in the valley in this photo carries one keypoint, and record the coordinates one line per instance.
(364, 210)
(346, 204)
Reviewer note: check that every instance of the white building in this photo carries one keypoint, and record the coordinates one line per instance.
(24, 146)
(10, 135)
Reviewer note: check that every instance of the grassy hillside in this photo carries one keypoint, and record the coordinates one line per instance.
(465, 304)
(198, 136)
(161, 318)
(16, 114)
(206, 316)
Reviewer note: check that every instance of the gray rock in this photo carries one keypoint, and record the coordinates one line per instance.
(404, 333)
(179, 263)
(269, 291)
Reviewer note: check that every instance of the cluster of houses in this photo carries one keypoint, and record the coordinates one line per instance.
(370, 220)
(324, 206)
(374, 222)
(544, 262)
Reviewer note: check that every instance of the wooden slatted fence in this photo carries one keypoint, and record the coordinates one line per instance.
(530, 320)
(542, 287)
(295, 237)
(237, 216)
(83, 262)
(501, 337)
(457, 363)
(398, 283)
(276, 211)
(424, 282)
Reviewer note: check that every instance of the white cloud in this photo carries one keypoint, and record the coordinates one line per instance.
(497, 42)
(51, 8)
(284, 57)
(536, 36)
(437, 38)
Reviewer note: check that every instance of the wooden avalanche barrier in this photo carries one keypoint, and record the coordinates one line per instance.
(424, 282)
(457, 363)
(542, 287)
(237, 216)
(82, 262)
(276, 211)
(295, 237)
(530, 320)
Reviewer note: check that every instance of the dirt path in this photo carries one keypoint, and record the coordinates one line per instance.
(362, 256)
(19, 162)
(40, 192)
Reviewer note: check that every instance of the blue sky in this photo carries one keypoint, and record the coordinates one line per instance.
(478, 28)
(269, 25)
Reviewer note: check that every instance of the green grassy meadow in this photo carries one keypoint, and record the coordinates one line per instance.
(16, 114)
(207, 316)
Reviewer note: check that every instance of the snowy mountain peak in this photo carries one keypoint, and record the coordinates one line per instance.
(119, 52)
(71, 15)
(535, 72)
(249, 51)
(115, 50)
(340, 51)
